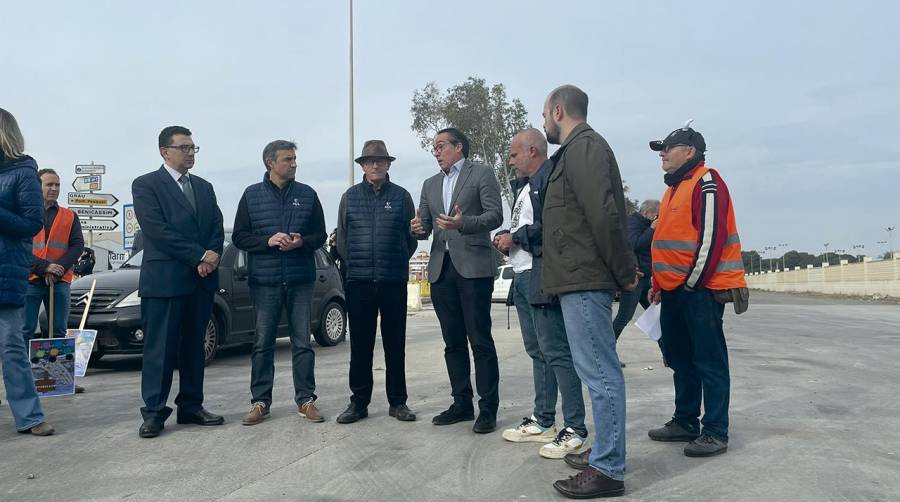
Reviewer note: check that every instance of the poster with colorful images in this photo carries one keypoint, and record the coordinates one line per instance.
(84, 344)
(53, 366)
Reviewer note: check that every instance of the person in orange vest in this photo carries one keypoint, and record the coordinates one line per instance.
(55, 249)
(696, 262)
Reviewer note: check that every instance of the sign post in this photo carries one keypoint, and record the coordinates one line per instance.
(88, 181)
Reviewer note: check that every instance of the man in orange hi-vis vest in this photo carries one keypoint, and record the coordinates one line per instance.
(55, 249)
(696, 255)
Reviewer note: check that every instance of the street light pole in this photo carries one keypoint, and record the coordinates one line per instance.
(783, 245)
(352, 167)
(890, 231)
(826, 253)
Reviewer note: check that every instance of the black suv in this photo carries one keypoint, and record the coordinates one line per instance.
(115, 310)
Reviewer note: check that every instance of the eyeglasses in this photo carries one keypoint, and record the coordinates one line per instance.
(376, 163)
(439, 147)
(670, 147)
(185, 149)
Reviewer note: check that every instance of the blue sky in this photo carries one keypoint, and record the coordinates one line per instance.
(797, 101)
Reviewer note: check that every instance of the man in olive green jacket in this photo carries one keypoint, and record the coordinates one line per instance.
(586, 258)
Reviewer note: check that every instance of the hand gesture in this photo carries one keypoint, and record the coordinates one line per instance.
(212, 258)
(415, 224)
(293, 241)
(654, 295)
(503, 242)
(56, 269)
(278, 239)
(204, 269)
(452, 222)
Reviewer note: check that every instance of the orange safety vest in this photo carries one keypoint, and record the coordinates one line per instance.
(675, 242)
(57, 242)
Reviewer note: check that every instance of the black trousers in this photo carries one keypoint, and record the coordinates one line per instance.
(463, 307)
(174, 329)
(365, 301)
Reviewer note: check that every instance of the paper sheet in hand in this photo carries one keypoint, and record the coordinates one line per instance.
(649, 322)
(84, 345)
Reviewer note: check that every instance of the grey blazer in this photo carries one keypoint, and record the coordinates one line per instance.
(477, 193)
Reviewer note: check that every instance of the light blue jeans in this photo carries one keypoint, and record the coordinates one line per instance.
(544, 334)
(588, 318)
(17, 377)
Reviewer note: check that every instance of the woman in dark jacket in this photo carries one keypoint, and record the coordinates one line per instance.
(640, 235)
(21, 207)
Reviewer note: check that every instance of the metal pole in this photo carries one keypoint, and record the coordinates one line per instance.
(352, 167)
(890, 231)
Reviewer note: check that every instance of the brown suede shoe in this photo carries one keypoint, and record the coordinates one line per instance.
(258, 413)
(309, 411)
(42, 429)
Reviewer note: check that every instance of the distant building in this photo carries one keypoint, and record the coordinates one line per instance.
(418, 266)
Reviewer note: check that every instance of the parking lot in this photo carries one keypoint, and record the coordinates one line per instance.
(815, 415)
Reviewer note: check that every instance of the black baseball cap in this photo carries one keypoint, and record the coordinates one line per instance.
(682, 136)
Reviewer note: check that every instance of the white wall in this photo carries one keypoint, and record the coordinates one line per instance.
(867, 278)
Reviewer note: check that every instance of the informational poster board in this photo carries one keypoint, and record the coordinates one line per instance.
(84, 345)
(53, 366)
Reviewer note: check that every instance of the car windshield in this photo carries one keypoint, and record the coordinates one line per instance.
(135, 260)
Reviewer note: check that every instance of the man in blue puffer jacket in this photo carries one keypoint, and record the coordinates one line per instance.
(374, 242)
(21, 217)
(280, 224)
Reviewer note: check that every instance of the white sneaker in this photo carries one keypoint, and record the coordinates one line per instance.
(567, 441)
(530, 431)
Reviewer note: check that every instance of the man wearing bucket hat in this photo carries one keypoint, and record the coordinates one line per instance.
(375, 245)
(697, 267)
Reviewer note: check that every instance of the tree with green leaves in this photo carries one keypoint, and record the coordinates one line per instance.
(484, 114)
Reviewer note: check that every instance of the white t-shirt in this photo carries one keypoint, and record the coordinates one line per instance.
(522, 214)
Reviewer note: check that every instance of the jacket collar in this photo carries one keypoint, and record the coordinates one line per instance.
(577, 131)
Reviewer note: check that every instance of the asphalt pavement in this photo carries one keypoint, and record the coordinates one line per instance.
(815, 415)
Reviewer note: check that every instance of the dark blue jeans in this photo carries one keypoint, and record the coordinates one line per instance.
(544, 334)
(40, 293)
(694, 346)
(269, 302)
(628, 302)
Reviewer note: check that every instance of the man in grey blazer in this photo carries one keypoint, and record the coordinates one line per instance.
(461, 204)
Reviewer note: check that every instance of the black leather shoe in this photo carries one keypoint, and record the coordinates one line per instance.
(352, 414)
(590, 484)
(452, 415)
(578, 461)
(151, 428)
(486, 423)
(202, 417)
(402, 413)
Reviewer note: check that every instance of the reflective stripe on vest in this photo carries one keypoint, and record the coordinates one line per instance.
(57, 243)
(676, 241)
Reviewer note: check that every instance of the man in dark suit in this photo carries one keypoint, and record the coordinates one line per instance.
(183, 240)
(461, 204)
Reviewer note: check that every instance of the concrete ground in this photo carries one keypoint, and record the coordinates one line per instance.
(815, 415)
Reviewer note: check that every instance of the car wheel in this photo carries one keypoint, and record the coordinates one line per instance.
(211, 339)
(332, 325)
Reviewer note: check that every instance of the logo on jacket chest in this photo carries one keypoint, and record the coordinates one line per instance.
(387, 205)
(296, 202)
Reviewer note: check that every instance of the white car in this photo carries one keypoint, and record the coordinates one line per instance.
(502, 284)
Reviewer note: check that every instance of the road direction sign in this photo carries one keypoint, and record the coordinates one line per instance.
(95, 212)
(87, 183)
(92, 199)
(83, 169)
(99, 225)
